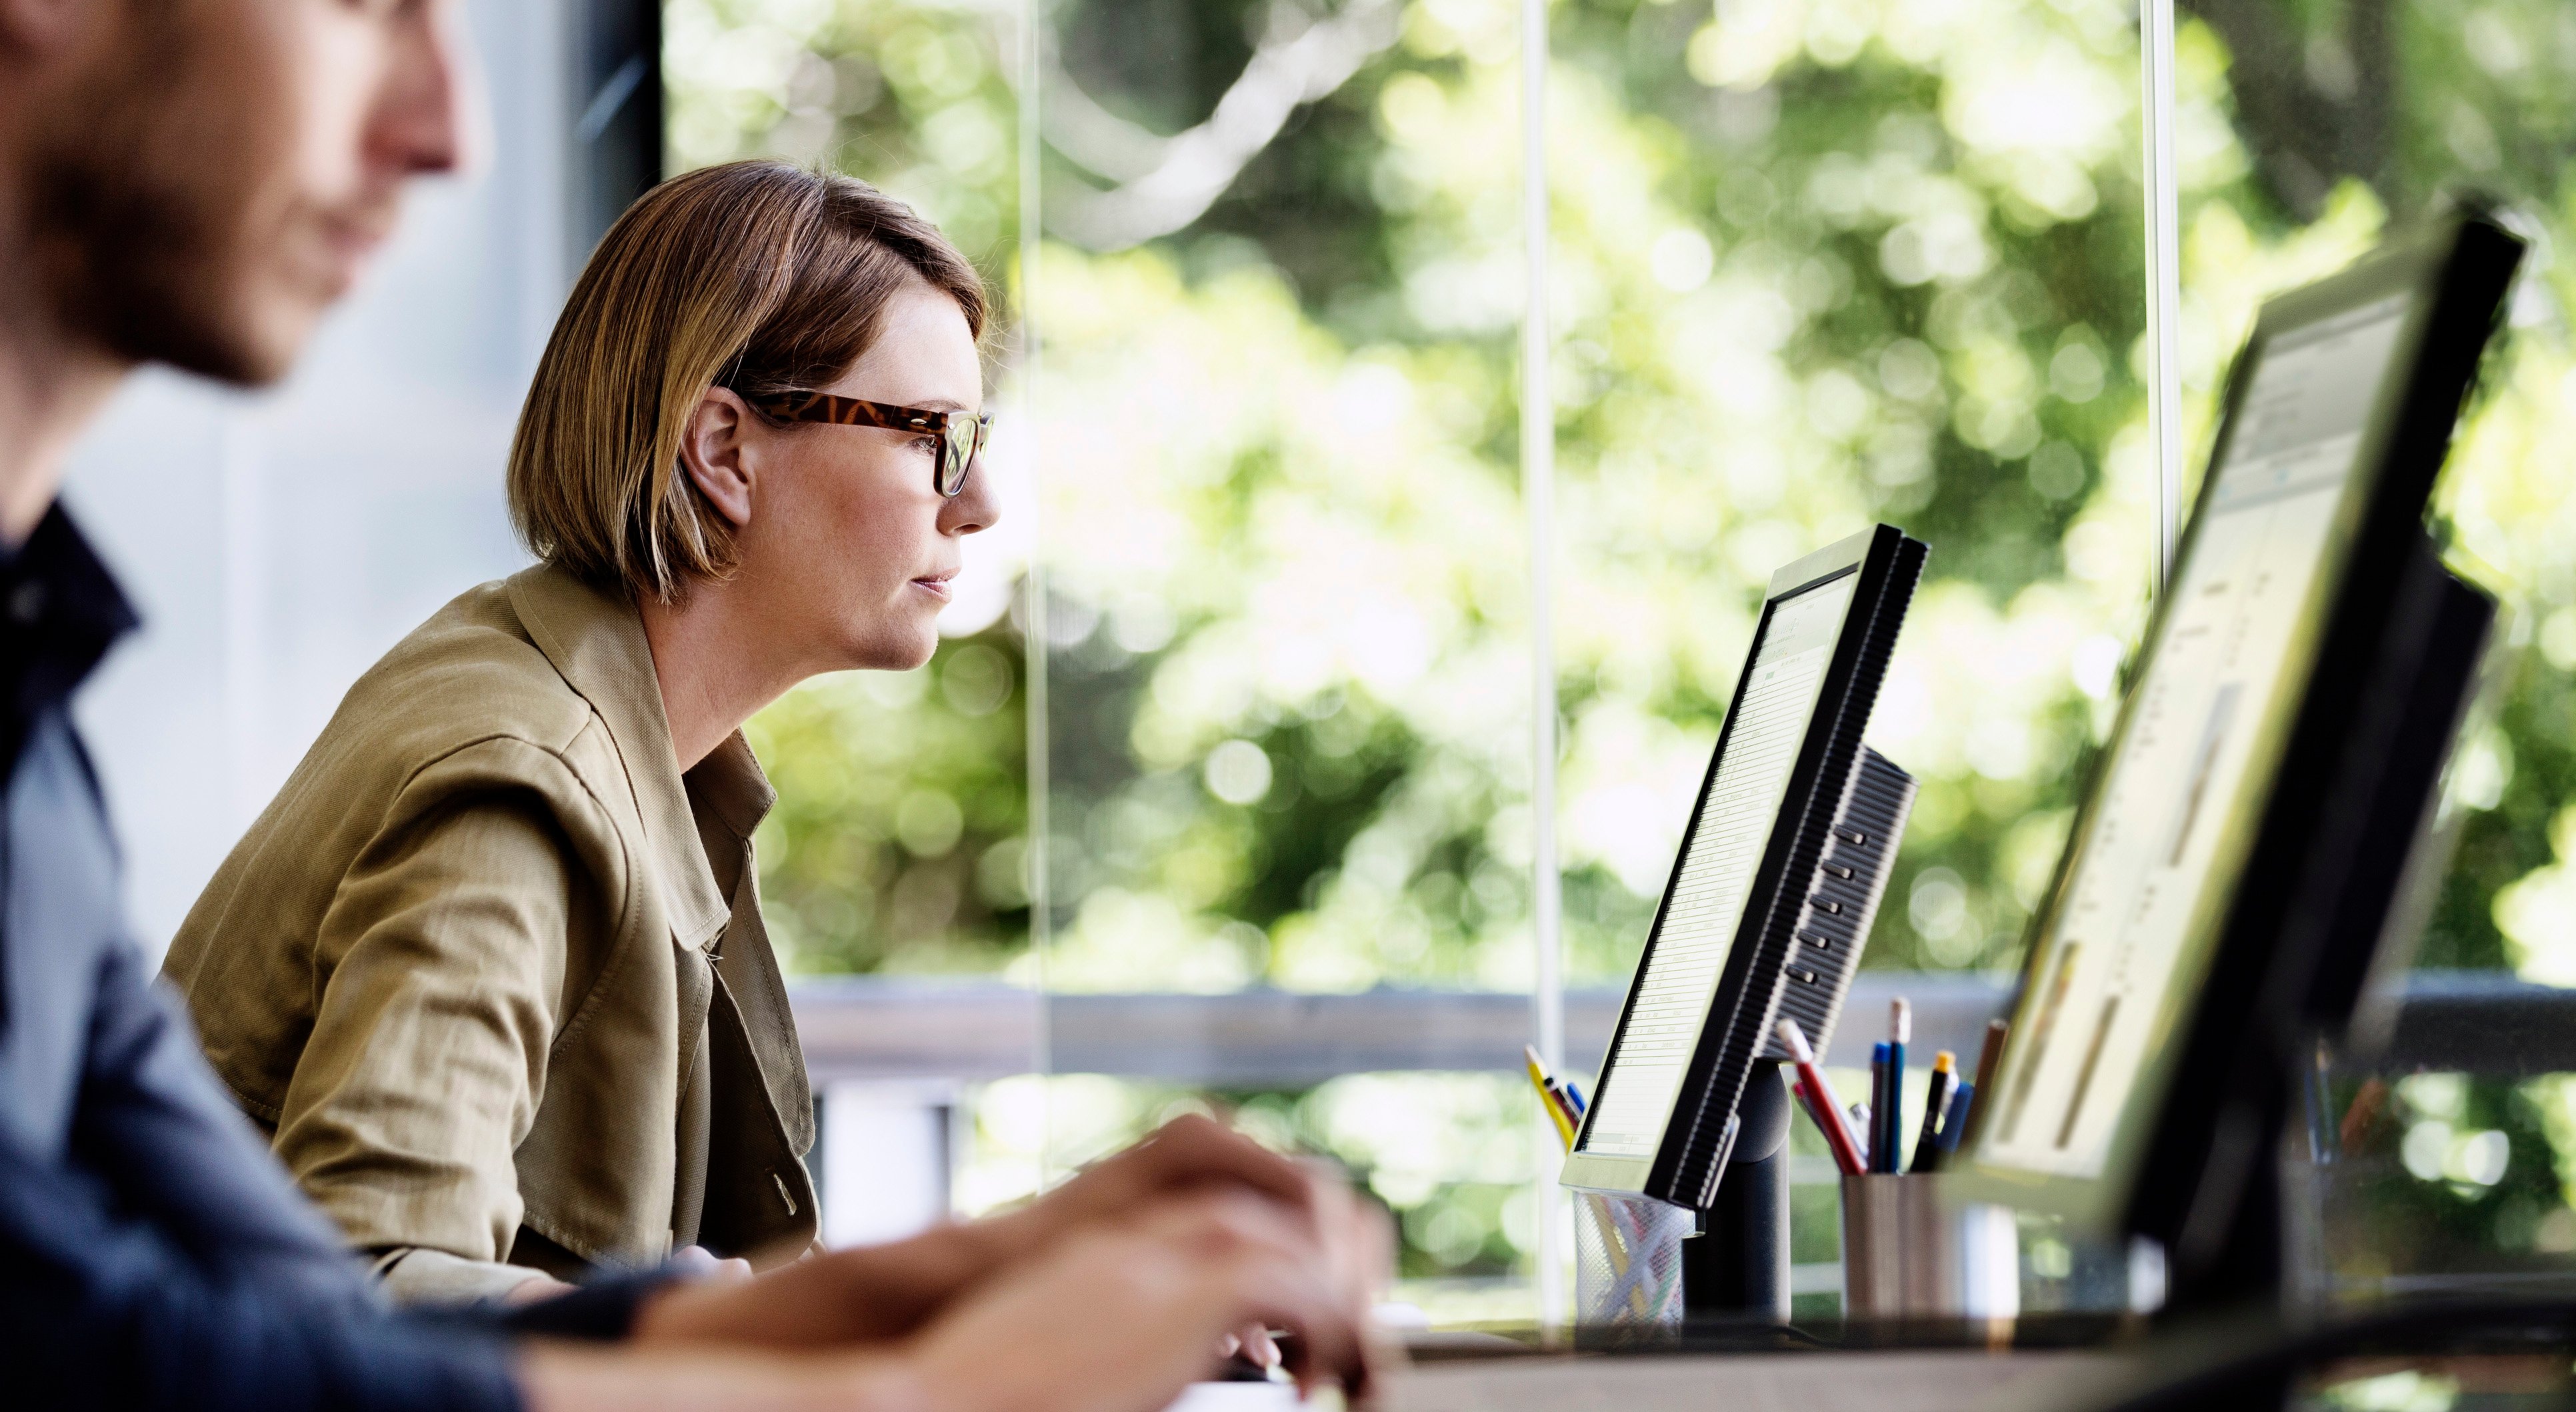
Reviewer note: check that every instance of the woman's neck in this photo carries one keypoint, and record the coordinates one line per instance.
(711, 659)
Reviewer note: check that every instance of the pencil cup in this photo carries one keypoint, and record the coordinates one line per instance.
(1907, 1256)
(1628, 1261)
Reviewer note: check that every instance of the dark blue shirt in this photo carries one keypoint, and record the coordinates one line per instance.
(152, 1253)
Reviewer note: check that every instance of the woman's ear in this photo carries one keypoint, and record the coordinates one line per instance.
(716, 450)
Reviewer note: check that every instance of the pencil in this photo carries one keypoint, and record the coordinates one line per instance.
(1990, 1057)
(1900, 1029)
(1993, 1051)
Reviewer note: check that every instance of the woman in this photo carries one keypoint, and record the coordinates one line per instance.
(491, 968)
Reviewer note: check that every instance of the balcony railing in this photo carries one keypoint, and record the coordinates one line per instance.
(882, 1028)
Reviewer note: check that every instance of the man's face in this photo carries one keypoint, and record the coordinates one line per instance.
(211, 175)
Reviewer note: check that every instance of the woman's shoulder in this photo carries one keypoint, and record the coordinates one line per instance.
(469, 674)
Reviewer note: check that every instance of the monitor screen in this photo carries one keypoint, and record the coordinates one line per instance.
(1721, 853)
(2157, 860)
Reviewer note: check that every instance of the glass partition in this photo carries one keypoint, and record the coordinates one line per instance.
(1818, 265)
(1287, 600)
(1248, 664)
(2311, 129)
(1812, 263)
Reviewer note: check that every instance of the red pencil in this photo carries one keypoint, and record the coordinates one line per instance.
(1821, 1103)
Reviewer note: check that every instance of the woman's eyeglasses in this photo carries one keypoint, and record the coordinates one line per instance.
(960, 436)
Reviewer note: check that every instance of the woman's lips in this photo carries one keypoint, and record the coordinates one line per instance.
(936, 585)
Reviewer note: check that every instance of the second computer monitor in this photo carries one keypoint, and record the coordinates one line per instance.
(2229, 866)
(1775, 882)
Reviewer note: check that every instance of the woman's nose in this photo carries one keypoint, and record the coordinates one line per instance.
(974, 508)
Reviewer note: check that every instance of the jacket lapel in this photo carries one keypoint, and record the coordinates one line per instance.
(733, 796)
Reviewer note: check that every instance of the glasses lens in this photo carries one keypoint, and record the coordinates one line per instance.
(956, 453)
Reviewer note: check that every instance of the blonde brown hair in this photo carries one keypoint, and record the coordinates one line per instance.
(757, 276)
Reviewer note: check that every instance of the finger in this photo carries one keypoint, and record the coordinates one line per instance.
(1193, 1148)
(1258, 1345)
(1284, 1277)
(1266, 1262)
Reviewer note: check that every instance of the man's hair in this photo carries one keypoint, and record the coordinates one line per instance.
(756, 276)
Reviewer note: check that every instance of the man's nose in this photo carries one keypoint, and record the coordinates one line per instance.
(424, 116)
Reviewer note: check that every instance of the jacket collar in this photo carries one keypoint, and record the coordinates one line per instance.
(731, 785)
(595, 638)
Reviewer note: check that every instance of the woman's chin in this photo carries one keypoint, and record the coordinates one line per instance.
(898, 651)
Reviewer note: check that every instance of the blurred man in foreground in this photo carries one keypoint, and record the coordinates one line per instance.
(193, 182)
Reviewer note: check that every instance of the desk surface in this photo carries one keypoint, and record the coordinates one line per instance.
(1912, 1381)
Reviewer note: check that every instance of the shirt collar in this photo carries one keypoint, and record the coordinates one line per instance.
(60, 612)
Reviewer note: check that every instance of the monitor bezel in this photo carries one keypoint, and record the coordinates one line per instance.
(1881, 556)
(2457, 273)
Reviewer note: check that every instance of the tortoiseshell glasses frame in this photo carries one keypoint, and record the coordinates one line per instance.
(960, 436)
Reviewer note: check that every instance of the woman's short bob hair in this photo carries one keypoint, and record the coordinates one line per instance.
(757, 276)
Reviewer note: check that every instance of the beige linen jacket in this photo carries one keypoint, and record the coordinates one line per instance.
(461, 966)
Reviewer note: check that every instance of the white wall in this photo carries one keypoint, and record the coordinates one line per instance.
(277, 543)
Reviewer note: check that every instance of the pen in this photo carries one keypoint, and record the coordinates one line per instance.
(1900, 1028)
(1955, 1125)
(1574, 1091)
(1821, 1104)
(1547, 1100)
(1882, 1153)
(1863, 1134)
(1936, 1104)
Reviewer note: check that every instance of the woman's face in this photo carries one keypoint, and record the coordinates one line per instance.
(849, 546)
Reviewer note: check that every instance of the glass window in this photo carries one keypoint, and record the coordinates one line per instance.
(2307, 130)
(1812, 263)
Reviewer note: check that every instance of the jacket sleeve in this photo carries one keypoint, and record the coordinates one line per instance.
(442, 974)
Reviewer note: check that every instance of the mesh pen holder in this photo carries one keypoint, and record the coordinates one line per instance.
(1909, 1255)
(1628, 1262)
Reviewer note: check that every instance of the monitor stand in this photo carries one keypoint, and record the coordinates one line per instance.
(1737, 1267)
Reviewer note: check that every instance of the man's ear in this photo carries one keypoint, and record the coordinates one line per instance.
(716, 451)
(38, 28)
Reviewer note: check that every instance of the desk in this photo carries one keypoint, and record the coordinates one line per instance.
(1910, 1381)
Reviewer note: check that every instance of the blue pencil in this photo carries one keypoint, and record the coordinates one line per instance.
(1900, 1029)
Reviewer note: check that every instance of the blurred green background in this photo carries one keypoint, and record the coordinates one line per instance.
(1814, 263)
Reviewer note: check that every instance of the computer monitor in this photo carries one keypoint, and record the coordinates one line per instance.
(1775, 882)
(2234, 863)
